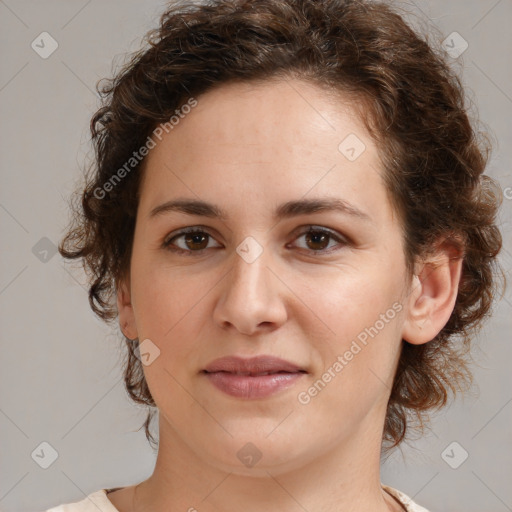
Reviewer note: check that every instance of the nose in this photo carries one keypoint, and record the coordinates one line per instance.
(251, 297)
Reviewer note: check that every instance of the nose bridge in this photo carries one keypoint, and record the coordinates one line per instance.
(249, 267)
(251, 293)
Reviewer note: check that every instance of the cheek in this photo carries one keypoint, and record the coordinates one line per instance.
(170, 312)
(172, 303)
(345, 301)
(361, 311)
(164, 296)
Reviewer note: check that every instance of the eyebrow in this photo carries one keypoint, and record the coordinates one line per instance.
(285, 210)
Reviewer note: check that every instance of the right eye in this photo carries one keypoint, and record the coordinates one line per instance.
(193, 241)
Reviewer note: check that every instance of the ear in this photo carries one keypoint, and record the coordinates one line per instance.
(433, 293)
(125, 310)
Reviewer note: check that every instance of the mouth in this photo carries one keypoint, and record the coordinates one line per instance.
(258, 377)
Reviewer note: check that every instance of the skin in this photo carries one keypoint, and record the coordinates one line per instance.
(249, 148)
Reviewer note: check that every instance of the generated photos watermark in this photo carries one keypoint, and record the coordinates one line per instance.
(361, 341)
(137, 156)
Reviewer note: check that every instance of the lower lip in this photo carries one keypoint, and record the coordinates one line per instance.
(245, 386)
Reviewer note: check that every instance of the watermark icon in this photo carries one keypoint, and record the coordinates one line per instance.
(351, 147)
(304, 397)
(44, 45)
(507, 192)
(44, 455)
(249, 455)
(44, 250)
(454, 455)
(455, 45)
(137, 156)
(147, 352)
(249, 249)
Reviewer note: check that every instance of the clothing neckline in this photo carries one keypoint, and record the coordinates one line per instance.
(402, 498)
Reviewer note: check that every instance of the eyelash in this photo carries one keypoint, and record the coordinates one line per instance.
(167, 244)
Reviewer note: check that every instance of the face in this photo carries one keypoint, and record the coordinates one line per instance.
(323, 288)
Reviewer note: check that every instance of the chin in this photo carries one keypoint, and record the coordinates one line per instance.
(257, 454)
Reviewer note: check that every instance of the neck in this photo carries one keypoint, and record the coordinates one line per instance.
(346, 477)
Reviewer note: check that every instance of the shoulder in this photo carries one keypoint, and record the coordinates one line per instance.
(94, 502)
(407, 502)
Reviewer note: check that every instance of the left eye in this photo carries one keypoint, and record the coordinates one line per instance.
(319, 239)
(195, 240)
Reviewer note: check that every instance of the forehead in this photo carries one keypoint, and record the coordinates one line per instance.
(252, 113)
(265, 142)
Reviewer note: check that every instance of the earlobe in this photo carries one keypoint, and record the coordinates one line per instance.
(433, 294)
(125, 310)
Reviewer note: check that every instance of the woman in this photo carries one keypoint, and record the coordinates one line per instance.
(289, 219)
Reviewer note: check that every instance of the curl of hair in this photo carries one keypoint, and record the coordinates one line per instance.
(411, 102)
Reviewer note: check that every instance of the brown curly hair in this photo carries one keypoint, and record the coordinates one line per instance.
(412, 103)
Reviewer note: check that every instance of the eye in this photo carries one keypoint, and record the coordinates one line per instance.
(317, 239)
(191, 240)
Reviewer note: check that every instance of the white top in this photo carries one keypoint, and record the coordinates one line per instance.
(98, 501)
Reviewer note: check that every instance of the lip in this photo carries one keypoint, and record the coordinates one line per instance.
(256, 377)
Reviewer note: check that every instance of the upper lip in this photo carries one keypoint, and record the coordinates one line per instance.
(252, 366)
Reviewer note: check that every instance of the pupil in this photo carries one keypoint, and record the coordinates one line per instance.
(318, 238)
(193, 237)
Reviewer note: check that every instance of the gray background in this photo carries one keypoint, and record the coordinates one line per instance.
(60, 370)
